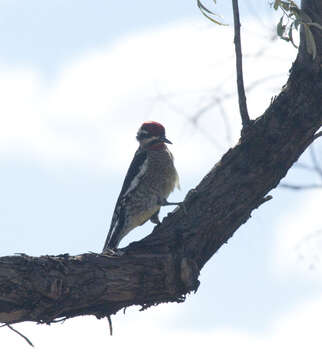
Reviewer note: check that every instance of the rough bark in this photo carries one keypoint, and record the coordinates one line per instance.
(165, 265)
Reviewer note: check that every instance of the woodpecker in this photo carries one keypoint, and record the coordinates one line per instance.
(150, 179)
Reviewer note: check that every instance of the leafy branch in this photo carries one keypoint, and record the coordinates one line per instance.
(294, 17)
(208, 13)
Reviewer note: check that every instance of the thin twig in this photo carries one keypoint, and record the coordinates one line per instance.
(239, 68)
(317, 135)
(110, 324)
(193, 119)
(225, 119)
(304, 166)
(300, 187)
(264, 200)
(62, 320)
(19, 333)
(315, 161)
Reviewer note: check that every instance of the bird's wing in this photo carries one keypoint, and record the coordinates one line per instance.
(134, 173)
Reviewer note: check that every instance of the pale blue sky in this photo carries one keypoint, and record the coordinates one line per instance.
(77, 78)
(45, 34)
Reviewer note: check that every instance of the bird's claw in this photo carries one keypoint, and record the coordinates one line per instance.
(181, 204)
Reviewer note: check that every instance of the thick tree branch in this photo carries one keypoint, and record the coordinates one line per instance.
(239, 68)
(165, 265)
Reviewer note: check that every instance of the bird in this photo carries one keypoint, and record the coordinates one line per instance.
(150, 179)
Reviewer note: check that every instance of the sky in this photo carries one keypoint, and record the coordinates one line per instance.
(77, 79)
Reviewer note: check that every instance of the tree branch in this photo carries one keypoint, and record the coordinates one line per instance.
(239, 68)
(165, 265)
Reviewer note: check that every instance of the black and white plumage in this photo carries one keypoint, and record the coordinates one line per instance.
(150, 179)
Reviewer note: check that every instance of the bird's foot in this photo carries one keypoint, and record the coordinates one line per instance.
(181, 204)
(155, 218)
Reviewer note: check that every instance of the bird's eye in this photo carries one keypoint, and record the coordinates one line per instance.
(142, 135)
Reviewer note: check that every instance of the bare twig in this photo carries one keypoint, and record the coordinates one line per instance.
(315, 161)
(304, 166)
(313, 235)
(110, 324)
(317, 135)
(62, 320)
(19, 333)
(194, 119)
(225, 118)
(264, 200)
(239, 68)
(300, 187)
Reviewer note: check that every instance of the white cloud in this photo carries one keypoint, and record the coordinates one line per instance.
(141, 335)
(89, 114)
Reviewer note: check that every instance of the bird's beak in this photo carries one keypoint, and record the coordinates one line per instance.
(164, 139)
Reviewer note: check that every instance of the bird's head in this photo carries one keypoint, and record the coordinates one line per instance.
(151, 133)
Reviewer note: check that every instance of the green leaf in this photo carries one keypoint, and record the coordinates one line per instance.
(290, 35)
(280, 27)
(213, 20)
(204, 9)
(285, 5)
(295, 10)
(276, 4)
(206, 12)
(315, 25)
(310, 42)
(296, 23)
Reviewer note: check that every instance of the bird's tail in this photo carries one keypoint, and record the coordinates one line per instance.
(107, 241)
(114, 235)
